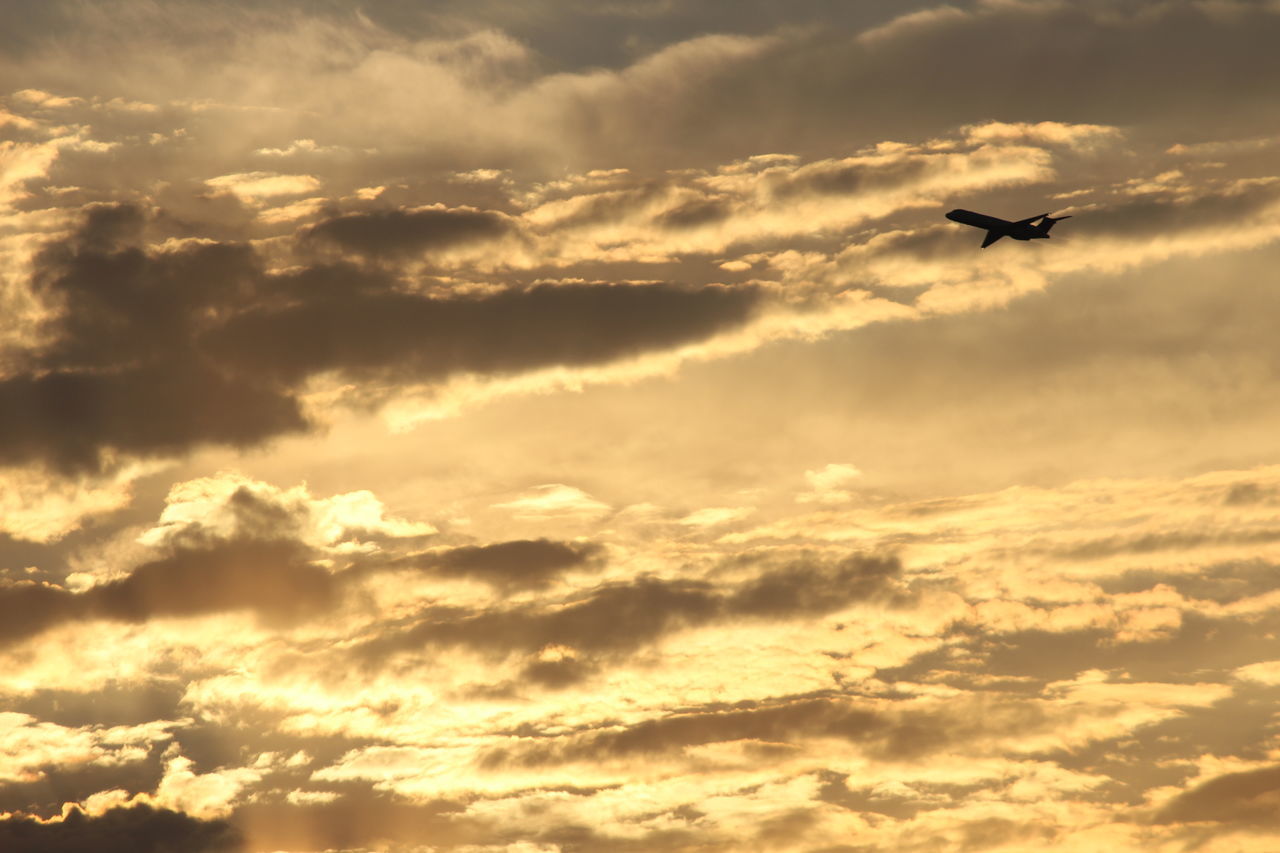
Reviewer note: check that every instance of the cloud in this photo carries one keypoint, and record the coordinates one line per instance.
(256, 187)
(527, 563)
(715, 515)
(764, 201)
(620, 617)
(155, 352)
(1118, 64)
(1063, 644)
(769, 724)
(120, 373)
(1084, 136)
(202, 795)
(30, 608)
(358, 818)
(70, 419)
(380, 332)
(553, 500)
(21, 162)
(826, 485)
(38, 754)
(392, 233)
(138, 827)
(38, 508)
(1244, 799)
(269, 339)
(230, 506)
(894, 734)
(807, 589)
(987, 715)
(45, 792)
(439, 89)
(274, 578)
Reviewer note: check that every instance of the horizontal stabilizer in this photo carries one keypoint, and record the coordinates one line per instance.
(1049, 222)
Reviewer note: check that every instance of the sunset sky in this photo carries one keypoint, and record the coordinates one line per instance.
(554, 426)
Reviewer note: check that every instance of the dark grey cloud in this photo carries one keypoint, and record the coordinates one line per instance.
(822, 89)
(1180, 540)
(360, 818)
(254, 517)
(29, 608)
(1096, 62)
(524, 563)
(776, 724)
(46, 788)
(1245, 494)
(392, 334)
(274, 578)
(620, 617)
(69, 419)
(1247, 798)
(122, 305)
(798, 588)
(839, 178)
(557, 674)
(156, 352)
(115, 704)
(994, 832)
(583, 34)
(566, 36)
(121, 372)
(135, 829)
(1163, 754)
(1223, 582)
(582, 838)
(1202, 648)
(613, 618)
(395, 233)
(888, 735)
(16, 555)
(846, 791)
(1169, 213)
(695, 213)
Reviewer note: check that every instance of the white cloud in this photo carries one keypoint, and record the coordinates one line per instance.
(554, 500)
(712, 516)
(202, 795)
(228, 504)
(827, 485)
(255, 187)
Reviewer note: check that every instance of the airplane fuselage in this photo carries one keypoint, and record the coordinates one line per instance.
(1034, 228)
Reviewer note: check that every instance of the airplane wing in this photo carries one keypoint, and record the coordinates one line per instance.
(991, 237)
(978, 220)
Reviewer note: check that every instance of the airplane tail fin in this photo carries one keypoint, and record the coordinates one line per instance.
(1047, 222)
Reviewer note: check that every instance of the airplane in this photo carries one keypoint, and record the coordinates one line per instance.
(997, 228)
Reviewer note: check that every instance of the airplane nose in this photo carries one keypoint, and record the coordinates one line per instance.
(952, 215)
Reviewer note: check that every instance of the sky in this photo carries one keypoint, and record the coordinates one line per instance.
(574, 427)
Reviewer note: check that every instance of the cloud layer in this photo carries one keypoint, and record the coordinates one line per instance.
(565, 427)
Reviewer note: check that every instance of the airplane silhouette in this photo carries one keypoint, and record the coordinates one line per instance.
(997, 228)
